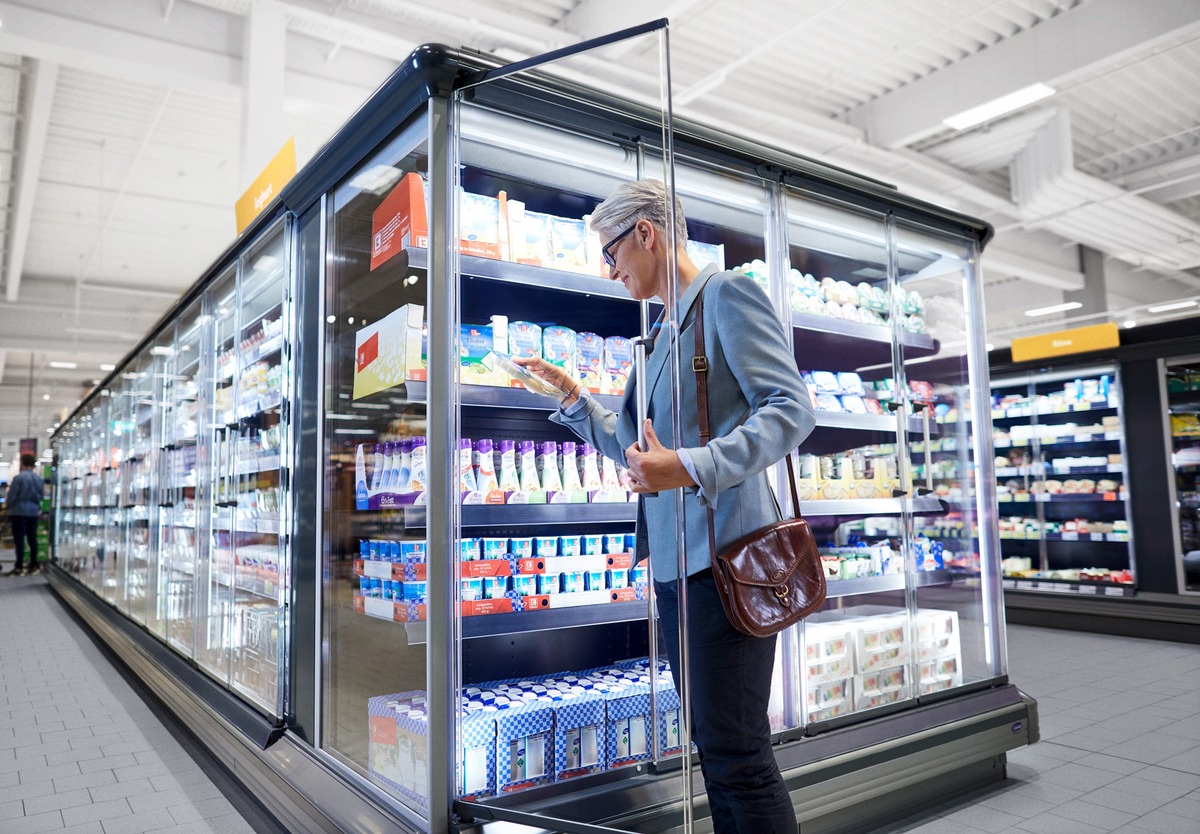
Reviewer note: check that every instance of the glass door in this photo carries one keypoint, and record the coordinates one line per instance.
(139, 502)
(259, 555)
(214, 606)
(1183, 425)
(181, 479)
(956, 634)
(373, 546)
(853, 655)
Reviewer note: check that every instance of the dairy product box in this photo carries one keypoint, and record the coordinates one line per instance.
(389, 351)
(880, 686)
(524, 746)
(579, 736)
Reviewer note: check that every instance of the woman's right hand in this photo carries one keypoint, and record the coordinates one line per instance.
(554, 375)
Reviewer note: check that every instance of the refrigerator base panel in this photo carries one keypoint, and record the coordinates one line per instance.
(302, 791)
(1150, 617)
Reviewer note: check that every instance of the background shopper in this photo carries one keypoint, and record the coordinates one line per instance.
(759, 412)
(24, 505)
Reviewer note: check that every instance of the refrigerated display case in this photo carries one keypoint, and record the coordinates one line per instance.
(1183, 425)
(334, 464)
(1064, 505)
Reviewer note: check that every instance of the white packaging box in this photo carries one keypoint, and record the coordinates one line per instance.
(828, 652)
(880, 642)
(880, 686)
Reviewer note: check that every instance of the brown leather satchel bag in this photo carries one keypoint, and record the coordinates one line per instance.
(772, 578)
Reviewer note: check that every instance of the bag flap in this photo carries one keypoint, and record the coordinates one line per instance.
(768, 557)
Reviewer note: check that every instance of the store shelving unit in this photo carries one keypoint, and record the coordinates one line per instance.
(1062, 474)
(1183, 425)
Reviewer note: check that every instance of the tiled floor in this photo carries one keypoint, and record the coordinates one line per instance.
(1120, 748)
(81, 750)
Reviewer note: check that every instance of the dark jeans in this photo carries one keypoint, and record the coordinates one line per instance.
(24, 528)
(731, 686)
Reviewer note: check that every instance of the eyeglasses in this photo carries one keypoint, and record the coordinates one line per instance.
(606, 250)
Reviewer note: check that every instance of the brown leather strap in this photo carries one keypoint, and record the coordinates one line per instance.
(700, 367)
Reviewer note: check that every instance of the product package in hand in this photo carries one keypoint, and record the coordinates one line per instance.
(499, 361)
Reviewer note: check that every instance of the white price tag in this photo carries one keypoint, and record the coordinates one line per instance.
(379, 607)
(1088, 589)
(377, 569)
(1114, 592)
(1097, 537)
(1112, 435)
(1008, 583)
(1070, 537)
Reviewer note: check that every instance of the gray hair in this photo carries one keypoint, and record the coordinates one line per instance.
(634, 201)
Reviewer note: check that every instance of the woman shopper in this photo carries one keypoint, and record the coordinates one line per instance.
(24, 508)
(759, 411)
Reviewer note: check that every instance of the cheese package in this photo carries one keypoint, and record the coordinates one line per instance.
(474, 343)
(479, 225)
(524, 339)
(589, 361)
(568, 244)
(388, 351)
(539, 249)
(558, 347)
(618, 362)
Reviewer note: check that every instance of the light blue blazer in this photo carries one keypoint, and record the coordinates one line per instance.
(759, 411)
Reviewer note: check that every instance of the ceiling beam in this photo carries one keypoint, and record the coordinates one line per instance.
(187, 63)
(34, 123)
(1031, 269)
(1052, 52)
(593, 18)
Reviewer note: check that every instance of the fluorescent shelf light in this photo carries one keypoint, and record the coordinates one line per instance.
(108, 367)
(998, 107)
(1054, 308)
(1161, 308)
(68, 366)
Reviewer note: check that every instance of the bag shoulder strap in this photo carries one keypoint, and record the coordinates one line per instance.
(700, 368)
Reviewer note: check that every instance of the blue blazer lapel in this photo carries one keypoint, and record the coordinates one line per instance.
(658, 359)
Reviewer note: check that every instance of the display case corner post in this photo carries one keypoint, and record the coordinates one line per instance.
(442, 431)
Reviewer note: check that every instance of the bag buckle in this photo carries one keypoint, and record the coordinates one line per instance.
(781, 594)
(700, 364)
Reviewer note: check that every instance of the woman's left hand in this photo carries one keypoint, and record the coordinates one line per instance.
(656, 469)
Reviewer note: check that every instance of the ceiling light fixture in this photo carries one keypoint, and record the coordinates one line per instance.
(1128, 323)
(1054, 308)
(108, 367)
(999, 106)
(66, 366)
(1161, 308)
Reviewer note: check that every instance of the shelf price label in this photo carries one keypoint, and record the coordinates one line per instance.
(1070, 537)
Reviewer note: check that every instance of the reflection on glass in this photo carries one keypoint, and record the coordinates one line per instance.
(375, 297)
(175, 613)
(878, 315)
(215, 575)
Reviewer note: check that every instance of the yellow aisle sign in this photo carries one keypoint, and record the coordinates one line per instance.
(268, 185)
(1064, 342)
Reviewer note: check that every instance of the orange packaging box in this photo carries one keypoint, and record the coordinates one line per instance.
(401, 221)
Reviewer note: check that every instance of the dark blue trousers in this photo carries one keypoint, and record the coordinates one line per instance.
(25, 529)
(731, 686)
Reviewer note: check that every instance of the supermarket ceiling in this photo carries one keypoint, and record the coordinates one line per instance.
(127, 133)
